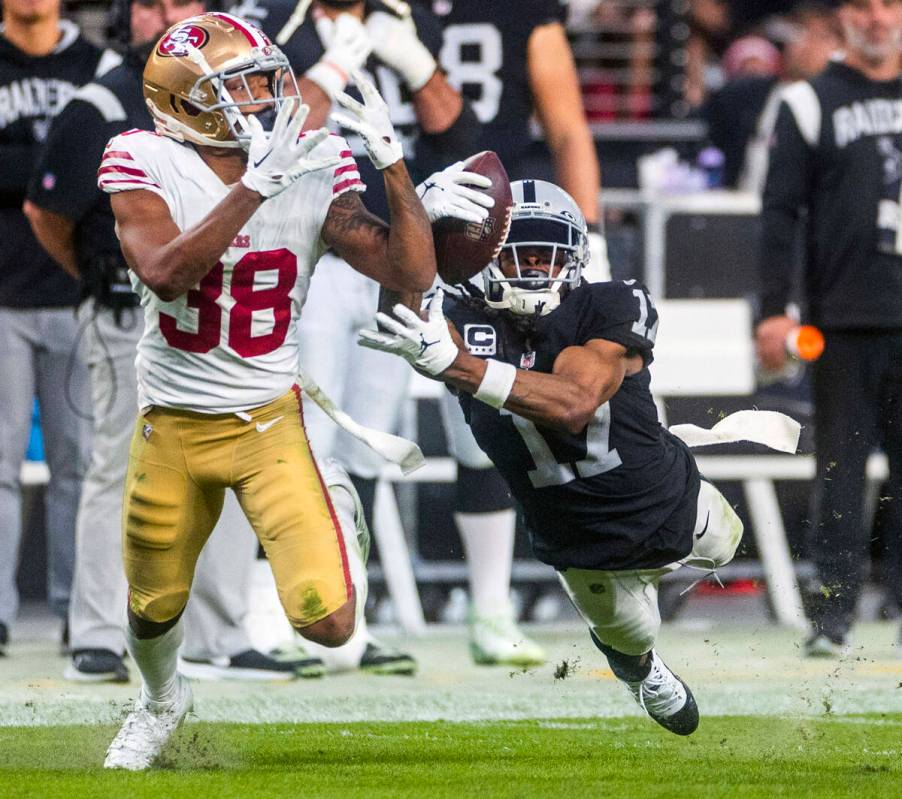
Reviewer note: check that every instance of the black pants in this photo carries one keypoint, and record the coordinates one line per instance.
(858, 407)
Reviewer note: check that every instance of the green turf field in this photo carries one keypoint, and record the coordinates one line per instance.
(773, 723)
(727, 757)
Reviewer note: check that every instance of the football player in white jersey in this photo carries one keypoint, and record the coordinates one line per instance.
(222, 215)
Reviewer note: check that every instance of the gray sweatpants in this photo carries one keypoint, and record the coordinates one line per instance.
(36, 359)
(216, 610)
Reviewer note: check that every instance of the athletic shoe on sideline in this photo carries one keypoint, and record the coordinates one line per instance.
(666, 698)
(821, 645)
(248, 665)
(305, 665)
(380, 659)
(497, 640)
(96, 665)
(147, 729)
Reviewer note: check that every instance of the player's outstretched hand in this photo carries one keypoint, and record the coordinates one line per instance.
(277, 159)
(347, 48)
(396, 44)
(447, 194)
(425, 344)
(370, 120)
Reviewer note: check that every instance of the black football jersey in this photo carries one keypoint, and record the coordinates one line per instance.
(622, 493)
(484, 56)
(65, 182)
(836, 152)
(33, 90)
(304, 49)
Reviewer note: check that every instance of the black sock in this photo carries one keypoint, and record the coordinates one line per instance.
(631, 668)
(366, 490)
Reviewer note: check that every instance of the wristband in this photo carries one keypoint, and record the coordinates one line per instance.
(330, 77)
(497, 383)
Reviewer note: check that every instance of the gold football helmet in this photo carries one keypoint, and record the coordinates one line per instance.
(185, 80)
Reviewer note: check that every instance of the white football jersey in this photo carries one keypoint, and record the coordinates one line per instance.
(231, 343)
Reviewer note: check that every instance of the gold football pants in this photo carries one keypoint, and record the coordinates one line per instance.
(180, 465)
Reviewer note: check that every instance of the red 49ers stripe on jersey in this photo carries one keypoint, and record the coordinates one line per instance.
(346, 175)
(118, 170)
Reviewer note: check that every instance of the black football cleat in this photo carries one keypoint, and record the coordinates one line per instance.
(666, 698)
(96, 665)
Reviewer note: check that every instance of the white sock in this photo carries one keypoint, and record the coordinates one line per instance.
(488, 540)
(157, 660)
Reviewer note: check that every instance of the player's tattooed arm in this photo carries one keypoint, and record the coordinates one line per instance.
(400, 257)
(170, 261)
(583, 378)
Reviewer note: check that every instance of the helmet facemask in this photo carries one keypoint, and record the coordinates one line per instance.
(209, 95)
(555, 238)
(185, 81)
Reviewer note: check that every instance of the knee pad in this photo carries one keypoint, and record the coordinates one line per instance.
(158, 609)
(308, 601)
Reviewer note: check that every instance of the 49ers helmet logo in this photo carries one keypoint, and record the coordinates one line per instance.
(176, 43)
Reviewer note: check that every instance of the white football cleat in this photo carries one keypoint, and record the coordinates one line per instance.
(497, 640)
(147, 729)
(666, 698)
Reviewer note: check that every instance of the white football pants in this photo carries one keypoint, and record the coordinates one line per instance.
(621, 607)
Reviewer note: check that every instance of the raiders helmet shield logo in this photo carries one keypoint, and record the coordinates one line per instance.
(176, 43)
(480, 339)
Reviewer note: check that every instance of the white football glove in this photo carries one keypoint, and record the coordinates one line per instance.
(598, 270)
(427, 346)
(370, 121)
(347, 48)
(396, 44)
(276, 160)
(445, 194)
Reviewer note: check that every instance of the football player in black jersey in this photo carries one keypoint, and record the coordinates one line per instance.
(552, 375)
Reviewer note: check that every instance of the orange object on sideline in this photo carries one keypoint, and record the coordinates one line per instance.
(805, 342)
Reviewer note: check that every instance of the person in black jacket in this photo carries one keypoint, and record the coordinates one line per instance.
(837, 153)
(73, 220)
(43, 61)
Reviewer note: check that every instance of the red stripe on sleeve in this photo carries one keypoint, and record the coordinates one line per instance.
(125, 170)
(345, 184)
(128, 182)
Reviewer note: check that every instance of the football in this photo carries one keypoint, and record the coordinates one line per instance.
(462, 249)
